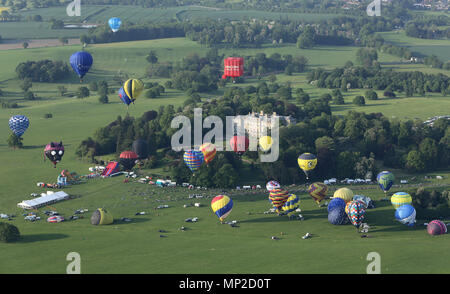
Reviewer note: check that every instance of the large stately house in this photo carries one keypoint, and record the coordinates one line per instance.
(260, 124)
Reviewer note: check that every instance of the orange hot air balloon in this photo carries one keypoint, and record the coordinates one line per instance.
(209, 152)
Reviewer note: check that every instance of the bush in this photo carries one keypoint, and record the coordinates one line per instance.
(371, 95)
(359, 100)
(9, 233)
(93, 86)
(29, 95)
(83, 92)
(389, 94)
(103, 99)
(48, 115)
(431, 204)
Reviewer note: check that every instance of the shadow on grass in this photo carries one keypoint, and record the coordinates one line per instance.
(34, 147)
(134, 220)
(41, 237)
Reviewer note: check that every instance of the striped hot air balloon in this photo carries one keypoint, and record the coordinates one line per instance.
(278, 198)
(19, 124)
(318, 191)
(344, 193)
(209, 152)
(271, 185)
(222, 206)
(291, 204)
(55, 219)
(400, 198)
(436, 227)
(193, 159)
(133, 88)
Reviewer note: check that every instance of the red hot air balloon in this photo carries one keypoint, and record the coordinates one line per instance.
(233, 67)
(239, 144)
(128, 159)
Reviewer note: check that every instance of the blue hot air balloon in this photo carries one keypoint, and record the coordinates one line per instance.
(124, 97)
(81, 62)
(19, 124)
(114, 23)
(193, 159)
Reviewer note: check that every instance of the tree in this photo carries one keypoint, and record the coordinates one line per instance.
(25, 45)
(272, 78)
(9, 233)
(93, 86)
(359, 100)
(103, 99)
(366, 56)
(389, 94)
(26, 84)
(371, 95)
(151, 57)
(83, 92)
(338, 99)
(28, 95)
(62, 90)
(15, 141)
(306, 38)
(415, 161)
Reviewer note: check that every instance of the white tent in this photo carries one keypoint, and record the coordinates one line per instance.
(43, 200)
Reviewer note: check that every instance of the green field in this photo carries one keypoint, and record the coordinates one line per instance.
(36, 30)
(206, 246)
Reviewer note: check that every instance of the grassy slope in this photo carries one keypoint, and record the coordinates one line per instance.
(204, 248)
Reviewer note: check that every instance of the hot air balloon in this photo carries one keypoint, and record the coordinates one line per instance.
(128, 159)
(436, 227)
(337, 216)
(364, 199)
(336, 203)
(318, 191)
(347, 206)
(81, 62)
(356, 213)
(233, 67)
(54, 151)
(209, 151)
(278, 198)
(140, 147)
(193, 159)
(222, 206)
(291, 204)
(271, 185)
(124, 97)
(114, 23)
(101, 217)
(400, 198)
(307, 162)
(406, 214)
(55, 219)
(345, 193)
(133, 88)
(19, 124)
(239, 144)
(265, 143)
(385, 179)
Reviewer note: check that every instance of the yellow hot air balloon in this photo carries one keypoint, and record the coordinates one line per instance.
(133, 88)
(307, 162)
(265, 143)
(101, 217)
(345, 193)
(400, 198)
(209, 151)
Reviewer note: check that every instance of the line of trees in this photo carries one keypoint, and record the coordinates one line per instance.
(43, 70)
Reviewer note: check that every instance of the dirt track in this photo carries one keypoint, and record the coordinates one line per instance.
(35, 43)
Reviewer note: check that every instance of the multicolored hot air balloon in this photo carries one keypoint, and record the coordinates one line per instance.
(124, 97)
(222, 206)
(81, 62)
(345, 193)
(291, 204)
(128, 159)
(436, 227)
(400, 198)
(356, 213)
(54, 151)
(193, 159)
(239, 144)
(271, 185)
(385, 179)
(209, 151)
(318, 191)
(278, 198)
(114, 23)
(406, 214)
(307, 162)
(265, 143)
(19, 124)
(133, 88)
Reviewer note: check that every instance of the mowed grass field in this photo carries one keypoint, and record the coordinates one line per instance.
(206, 246)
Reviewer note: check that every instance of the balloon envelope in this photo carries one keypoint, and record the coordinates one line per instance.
(193, 159)
(209, 152)
(356, 213)
(114, 23)
(291, 204)
(124, 97)
(271, 185)
(140, 147)
(222, 206)
(81, 62)
(133, 88)
(128, 159)
(101, 217)
(265, 143)
(307, 162)
(336, 203)
(385, 180)
(436, 227)
(337, 216)
(239, 144)
(345, 193)
(400, 198)
(19, 124)
(278, 197)
(54, 151)
(406, 214)
(318, 191)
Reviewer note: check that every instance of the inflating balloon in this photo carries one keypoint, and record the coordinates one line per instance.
(222, 206)
(356, 213)
(265, 143)
(114, 23)
(436, 227)
(239, 144)
(19, 124)
(345, 193)
(140, 147)
(81, 62)
(336, 203)
(337, 216)
(133, 88)
(278, 198)
(193, 159)
(385, 180)
(406, 214)
(318, 191)
(54, 151)
(364, 199)
(400, 198)
(209, 152)
(307, 162)
(271, 185)
(291, 204)
(128, 159)
(101, 217)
